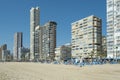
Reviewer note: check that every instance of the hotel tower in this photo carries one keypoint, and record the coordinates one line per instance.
(42, 38)
(86, 36)
(34, 22)
(18, 43)
(113, 28)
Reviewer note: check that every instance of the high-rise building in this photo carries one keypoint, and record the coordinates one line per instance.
(86, 37)
(49, 40)
(3, 47)
(34, 22)
(45, 41)
(18, 43)
(113, 28)
(37, 43)
(42, 38)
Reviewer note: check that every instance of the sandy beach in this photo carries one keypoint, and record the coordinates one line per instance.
(38, 71)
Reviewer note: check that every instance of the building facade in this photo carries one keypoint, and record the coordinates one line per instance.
(42, 38)
(18, 43)
(57, 53)
(24, 54)
(113, 28)
(2, 48)
(104, 44)
(45, 41)
(86, 36)
(6, 55)
(37, 43)
(34, 22)
(49, 40)
(63, 53)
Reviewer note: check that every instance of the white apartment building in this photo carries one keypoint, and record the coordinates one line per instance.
(86, 36)
(113, 28)
(34, 22)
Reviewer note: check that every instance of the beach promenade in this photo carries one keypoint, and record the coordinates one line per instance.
(38, 71)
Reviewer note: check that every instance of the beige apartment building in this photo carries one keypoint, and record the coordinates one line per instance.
(86, 37)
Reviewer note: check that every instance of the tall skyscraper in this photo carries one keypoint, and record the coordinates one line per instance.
(42, 38)
(34, 22)
(113, 28)
(18, 43)
(45, 41)
(86, 36)
(37, 44)
(49, 40)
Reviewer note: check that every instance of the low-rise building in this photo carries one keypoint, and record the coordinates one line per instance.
(57, 53)
(24, 54)
(6, 55)
(63, 52)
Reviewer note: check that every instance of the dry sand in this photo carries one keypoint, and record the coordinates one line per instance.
(38, 71)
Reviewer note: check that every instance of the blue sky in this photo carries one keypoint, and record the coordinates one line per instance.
(14, 17)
